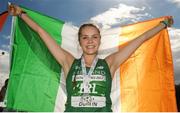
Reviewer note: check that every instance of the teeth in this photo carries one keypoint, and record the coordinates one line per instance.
(90, 47)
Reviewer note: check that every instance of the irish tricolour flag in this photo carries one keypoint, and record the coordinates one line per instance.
(145, 82)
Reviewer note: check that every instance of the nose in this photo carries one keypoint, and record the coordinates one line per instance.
(90, 39)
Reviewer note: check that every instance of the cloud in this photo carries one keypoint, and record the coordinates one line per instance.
(6, 36)
(6, 47)
(4, 62)
(175, 39)
(120, 15)
(3, 77)
(4, 67)
(175, 45)
(177, 63)
(178, 60)
(176, 2)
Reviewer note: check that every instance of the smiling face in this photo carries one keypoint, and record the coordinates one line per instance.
(89, 39)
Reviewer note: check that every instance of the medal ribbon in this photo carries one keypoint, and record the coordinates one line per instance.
(87, 76)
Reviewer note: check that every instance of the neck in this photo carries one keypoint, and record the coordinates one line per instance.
(89, 59)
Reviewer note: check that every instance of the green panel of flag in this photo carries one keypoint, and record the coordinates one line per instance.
(35, 74)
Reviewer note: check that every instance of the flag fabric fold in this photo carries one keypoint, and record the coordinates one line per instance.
(145, 82)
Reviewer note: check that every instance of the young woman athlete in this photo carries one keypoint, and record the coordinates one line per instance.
(88, 79)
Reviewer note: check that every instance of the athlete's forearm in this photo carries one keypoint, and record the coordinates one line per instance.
(116, 59)
(60, 54)
(149, 34)
(134, 44)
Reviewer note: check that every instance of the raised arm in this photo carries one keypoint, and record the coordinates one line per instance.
(63, 57)
(117, 58)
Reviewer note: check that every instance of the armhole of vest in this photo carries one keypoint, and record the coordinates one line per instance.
(74, 62)
(107, 66)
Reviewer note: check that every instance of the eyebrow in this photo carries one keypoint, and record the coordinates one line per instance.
(89, 35)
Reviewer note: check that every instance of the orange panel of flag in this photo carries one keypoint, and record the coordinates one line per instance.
(147, 77)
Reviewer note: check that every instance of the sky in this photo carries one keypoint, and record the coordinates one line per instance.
(106, 13)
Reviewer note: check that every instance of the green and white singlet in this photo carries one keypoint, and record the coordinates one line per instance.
(98, 100)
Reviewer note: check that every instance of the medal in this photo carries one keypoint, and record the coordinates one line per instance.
(87, 76)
